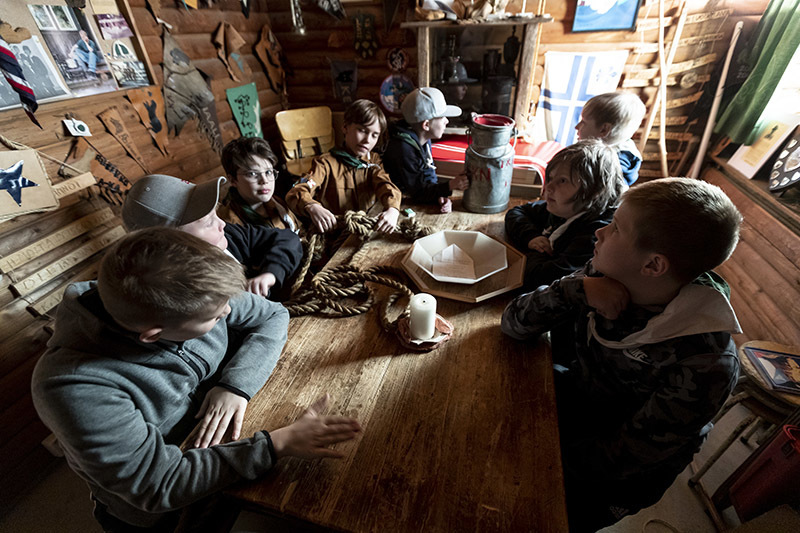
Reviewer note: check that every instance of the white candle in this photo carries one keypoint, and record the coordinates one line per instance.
(422, 318)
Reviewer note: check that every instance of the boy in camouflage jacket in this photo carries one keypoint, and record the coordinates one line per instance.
(641, 338)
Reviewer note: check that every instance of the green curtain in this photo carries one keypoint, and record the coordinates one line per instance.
(769, 51)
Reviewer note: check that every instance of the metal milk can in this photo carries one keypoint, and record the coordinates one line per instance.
(489, 163)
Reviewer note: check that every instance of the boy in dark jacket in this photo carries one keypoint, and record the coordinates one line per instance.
(270, 256)
(583, 183)
(164, 337)
(408, 158)
(642, 336)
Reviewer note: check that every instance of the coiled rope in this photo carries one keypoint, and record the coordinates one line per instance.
(342, 290)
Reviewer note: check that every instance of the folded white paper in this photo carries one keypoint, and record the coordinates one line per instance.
(453, 262)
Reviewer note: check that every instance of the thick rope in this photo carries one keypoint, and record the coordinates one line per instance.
(326, 290)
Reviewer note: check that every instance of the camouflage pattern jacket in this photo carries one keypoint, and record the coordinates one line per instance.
(650, 381)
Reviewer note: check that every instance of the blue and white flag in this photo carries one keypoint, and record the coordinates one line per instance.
(570, 79)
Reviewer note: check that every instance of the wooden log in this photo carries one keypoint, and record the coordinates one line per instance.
(41, 306)
(684, 100)
(671, 81)
(783, 238)
(646, 73)
(67, 262)
(645, 24)
(53, 240)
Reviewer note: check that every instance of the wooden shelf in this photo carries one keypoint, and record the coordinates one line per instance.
(510, 21)
(785, 208)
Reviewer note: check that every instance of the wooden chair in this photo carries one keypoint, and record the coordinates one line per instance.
(305, 134)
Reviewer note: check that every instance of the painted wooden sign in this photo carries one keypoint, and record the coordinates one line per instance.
(73, 185)
(43, 276)
(54, 240)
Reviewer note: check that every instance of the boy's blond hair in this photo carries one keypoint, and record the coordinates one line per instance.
(693, 223)
(594, 167)
(165, 277)
(364, 112)
(622, 111)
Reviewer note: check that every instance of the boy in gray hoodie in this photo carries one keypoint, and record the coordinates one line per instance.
(642, 340)
(164, 337)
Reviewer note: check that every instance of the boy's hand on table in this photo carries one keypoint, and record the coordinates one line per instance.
(460, 182)
(541, 244)
(322, 218)
(312, 433)
(220, 408)
(387, 220)
(445, 205)
(607, 295)
(262, 284)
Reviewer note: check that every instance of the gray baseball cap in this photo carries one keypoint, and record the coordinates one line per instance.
(427, 103)
(160, 200)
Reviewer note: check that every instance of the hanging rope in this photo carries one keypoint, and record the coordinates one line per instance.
(342, 291)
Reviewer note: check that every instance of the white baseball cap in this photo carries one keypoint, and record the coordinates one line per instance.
(427, 103)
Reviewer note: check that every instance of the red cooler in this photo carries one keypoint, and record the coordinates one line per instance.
(772, 479)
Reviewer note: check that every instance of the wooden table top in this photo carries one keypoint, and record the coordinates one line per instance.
(462, 438)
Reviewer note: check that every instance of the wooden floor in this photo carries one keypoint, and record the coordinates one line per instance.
(61, 502)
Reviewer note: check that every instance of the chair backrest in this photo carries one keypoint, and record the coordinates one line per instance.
(305, 134)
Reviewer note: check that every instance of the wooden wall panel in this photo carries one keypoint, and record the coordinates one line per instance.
(23, 334)
(763, 271)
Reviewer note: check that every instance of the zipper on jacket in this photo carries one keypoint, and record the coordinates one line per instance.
(183, 355)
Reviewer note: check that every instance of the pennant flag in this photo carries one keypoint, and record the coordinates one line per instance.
(13, 73)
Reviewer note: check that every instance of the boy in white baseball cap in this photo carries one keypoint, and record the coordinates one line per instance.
(270, 256)
(408, 158)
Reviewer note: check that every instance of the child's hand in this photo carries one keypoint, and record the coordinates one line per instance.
(261, 285)
(541, 244)
(220, 408)
(312, 433)
(323, 219)
(445, 205)
(387, 220)
(460, 182)
(607, 295)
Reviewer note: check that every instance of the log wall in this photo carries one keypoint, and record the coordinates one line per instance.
(764, 271)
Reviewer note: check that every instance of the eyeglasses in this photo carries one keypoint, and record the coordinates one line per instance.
(253, 175)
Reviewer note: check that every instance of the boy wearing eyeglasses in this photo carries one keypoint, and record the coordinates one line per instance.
(269, 255)
(249, 164)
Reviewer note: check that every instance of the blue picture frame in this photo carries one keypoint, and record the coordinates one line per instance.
(597, 15)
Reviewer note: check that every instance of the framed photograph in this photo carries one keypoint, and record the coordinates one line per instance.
(63, 18)
(78, 55)
(42, 16)
(780, 370)
(605, 15)
(749, 159)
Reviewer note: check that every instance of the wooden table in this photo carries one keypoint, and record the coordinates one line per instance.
(463, 438)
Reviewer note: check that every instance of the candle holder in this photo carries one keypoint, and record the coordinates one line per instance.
(444, 330)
